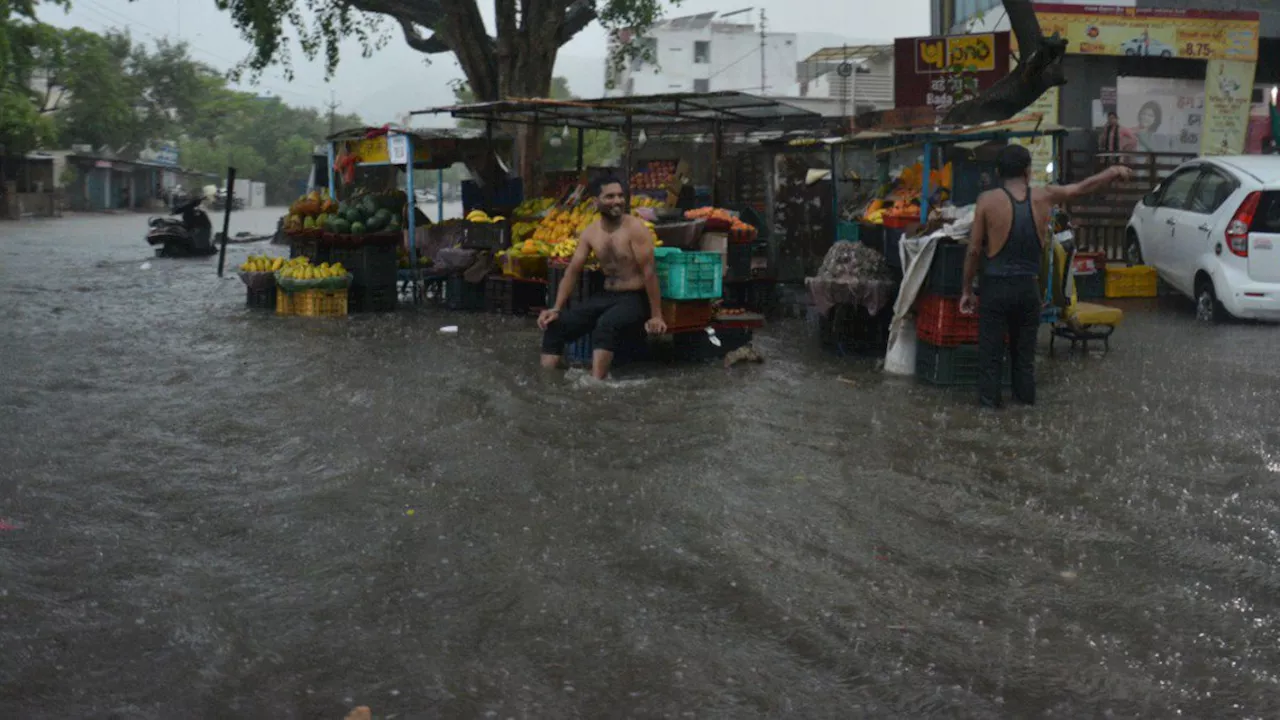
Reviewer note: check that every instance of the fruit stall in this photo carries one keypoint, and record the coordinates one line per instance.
(653, 184)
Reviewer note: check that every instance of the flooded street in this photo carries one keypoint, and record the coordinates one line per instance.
(213, 512)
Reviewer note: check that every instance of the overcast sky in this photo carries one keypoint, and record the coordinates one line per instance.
(396, 80)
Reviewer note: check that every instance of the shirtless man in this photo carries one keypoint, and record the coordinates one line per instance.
(623, 246)
(1010, 224)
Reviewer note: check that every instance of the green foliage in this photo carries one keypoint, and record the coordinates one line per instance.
(523, 51)
(23, 125)
(111, 93)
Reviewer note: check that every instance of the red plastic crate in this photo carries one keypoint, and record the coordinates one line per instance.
(939, 322)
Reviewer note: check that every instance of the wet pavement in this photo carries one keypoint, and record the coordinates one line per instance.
(213, 512)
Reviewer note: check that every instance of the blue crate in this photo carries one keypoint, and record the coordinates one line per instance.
(848, 231)
(691, 275)
(579, 351)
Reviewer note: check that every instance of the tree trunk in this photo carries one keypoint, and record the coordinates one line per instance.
(530, 77)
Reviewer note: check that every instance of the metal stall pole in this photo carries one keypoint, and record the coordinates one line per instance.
(716, 152)
(835, 195)
(440, 195)
(581, 145)
(226, 218)
(412, 200)
(333, 191)
(626, 161)
(924, 183)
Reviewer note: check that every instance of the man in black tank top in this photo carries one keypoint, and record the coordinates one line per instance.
(1010, 224)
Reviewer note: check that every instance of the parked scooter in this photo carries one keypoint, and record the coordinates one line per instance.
(192, 236)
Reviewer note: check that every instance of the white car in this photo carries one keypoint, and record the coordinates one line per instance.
(1212, 231)
(1136, 46)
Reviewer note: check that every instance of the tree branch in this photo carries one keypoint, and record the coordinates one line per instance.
(577, 17)
(429, 45)
(1039, 71)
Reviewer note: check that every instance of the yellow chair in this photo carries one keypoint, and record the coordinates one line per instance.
(1078, 323)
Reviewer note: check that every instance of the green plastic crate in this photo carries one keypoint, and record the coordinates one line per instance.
(954, 366)
(691, 275)
(848, 231)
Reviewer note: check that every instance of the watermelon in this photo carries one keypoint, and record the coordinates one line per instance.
(341, 227)
(357, 228)
(354, 215)
(377, 222)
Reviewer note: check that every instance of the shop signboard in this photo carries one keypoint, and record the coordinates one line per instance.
(1155, 32)
(376, 150)
(938, 72)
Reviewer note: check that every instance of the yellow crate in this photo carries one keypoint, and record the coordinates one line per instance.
(312, 303)
(525, 267)
(286, 303)
(1138, 281)
(322, 303)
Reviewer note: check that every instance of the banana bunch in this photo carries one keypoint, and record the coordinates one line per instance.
(533, 206)
(644, 201)
(300, 268)
(262, 263)
(480, 216)
(521, 231)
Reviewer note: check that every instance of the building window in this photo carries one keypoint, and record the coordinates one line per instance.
(646, 53)
(702, 52)
(701, 86)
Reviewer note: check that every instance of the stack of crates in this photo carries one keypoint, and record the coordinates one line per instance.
(1138, 281)
(1090, 270)
(374, 271)
(512, 296)
(590, 282)
(690, 281)
(947, 351)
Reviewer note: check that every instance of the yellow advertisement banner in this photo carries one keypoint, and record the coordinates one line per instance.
(973, 53)
(373, 151)
(1228, 90)
(1195, 34)
(1042, 147)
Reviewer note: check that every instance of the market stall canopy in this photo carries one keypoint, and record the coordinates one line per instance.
(679, 113)
(433, 148)
(1030, 125)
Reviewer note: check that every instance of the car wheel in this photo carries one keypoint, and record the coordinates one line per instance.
(1166, 53)
(1133, 250)
(1208, 309)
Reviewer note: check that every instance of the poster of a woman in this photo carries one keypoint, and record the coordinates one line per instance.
(1160, 114)
(1143, 136)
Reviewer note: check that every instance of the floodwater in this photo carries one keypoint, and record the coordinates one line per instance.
(213, 512)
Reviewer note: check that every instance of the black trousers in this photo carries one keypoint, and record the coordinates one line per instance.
(603, 316)
(1009, 306)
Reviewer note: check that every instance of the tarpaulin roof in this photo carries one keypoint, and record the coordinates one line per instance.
(680, 112)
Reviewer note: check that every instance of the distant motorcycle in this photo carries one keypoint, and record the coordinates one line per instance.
(220, 202)
(192, 236)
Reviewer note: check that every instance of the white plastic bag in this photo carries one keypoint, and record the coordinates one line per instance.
(901, 357)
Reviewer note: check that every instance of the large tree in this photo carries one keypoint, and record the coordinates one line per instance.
(1039, 70)
(517, 60)
(24, 121)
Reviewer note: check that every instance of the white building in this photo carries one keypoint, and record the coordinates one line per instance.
(859, 77)
(699, 53)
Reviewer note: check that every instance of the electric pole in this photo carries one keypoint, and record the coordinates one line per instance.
(763, 73)
(333, 107)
